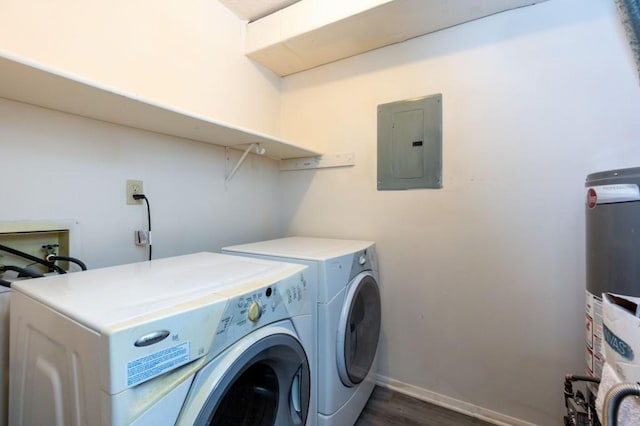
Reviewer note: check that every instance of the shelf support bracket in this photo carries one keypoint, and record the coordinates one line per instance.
(319, 162)
(259, 150)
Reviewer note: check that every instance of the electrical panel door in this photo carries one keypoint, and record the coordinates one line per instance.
(410, 144)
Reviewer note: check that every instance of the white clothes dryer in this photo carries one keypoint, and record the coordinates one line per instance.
(202, 339)
(348, 317)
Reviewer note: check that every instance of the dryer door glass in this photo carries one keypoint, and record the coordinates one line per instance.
(359, 329)
(268, 384)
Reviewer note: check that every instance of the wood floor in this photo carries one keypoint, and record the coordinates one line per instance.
(386, 408)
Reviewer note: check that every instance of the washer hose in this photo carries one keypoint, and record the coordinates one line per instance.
(578, 378)
(613, 400)
(53, 258)
(27, 256)
(21, 271)
(568, 385)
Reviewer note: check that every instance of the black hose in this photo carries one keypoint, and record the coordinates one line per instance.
(576, 378)
(53, 258)
(19, 270)
(568, 385)
(24, 255)
(4, 283)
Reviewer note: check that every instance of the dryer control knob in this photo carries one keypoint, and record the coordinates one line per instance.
(255, 311)
(362, 260)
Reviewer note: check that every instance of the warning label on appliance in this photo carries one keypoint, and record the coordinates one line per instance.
(594, 332)
(156, 363)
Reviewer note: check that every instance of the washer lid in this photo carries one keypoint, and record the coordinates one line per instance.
(303, 248)
(100, 298)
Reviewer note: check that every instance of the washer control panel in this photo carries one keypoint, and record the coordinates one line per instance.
(245, 313)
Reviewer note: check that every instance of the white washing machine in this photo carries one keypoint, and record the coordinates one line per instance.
(348, 317)
(202, 339)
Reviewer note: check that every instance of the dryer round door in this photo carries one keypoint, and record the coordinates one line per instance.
(358, 329)
(268, 384)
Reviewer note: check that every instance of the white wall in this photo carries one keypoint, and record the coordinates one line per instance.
(483, 280)
(60, 166)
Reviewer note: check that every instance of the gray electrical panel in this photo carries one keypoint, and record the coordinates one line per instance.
(410, 144)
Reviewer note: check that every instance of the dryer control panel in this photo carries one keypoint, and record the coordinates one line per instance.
(365, 260)
(245, 313)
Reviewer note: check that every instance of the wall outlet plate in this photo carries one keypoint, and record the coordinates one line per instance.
(134, 187)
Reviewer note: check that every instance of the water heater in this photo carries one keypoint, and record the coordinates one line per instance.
(612, 248)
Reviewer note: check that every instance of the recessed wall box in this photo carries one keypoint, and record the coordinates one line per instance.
(410, 144)
(32, 236)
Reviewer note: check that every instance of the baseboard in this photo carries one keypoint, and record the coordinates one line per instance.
(450, 403)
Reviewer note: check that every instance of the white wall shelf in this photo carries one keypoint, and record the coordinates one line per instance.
(25, 81)
(310, 33)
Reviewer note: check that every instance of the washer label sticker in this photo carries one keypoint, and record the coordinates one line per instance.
(142, 369)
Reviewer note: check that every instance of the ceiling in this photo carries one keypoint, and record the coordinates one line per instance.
(251, 10)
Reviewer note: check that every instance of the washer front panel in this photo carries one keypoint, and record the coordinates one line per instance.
(269, 384)
(264, 379)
